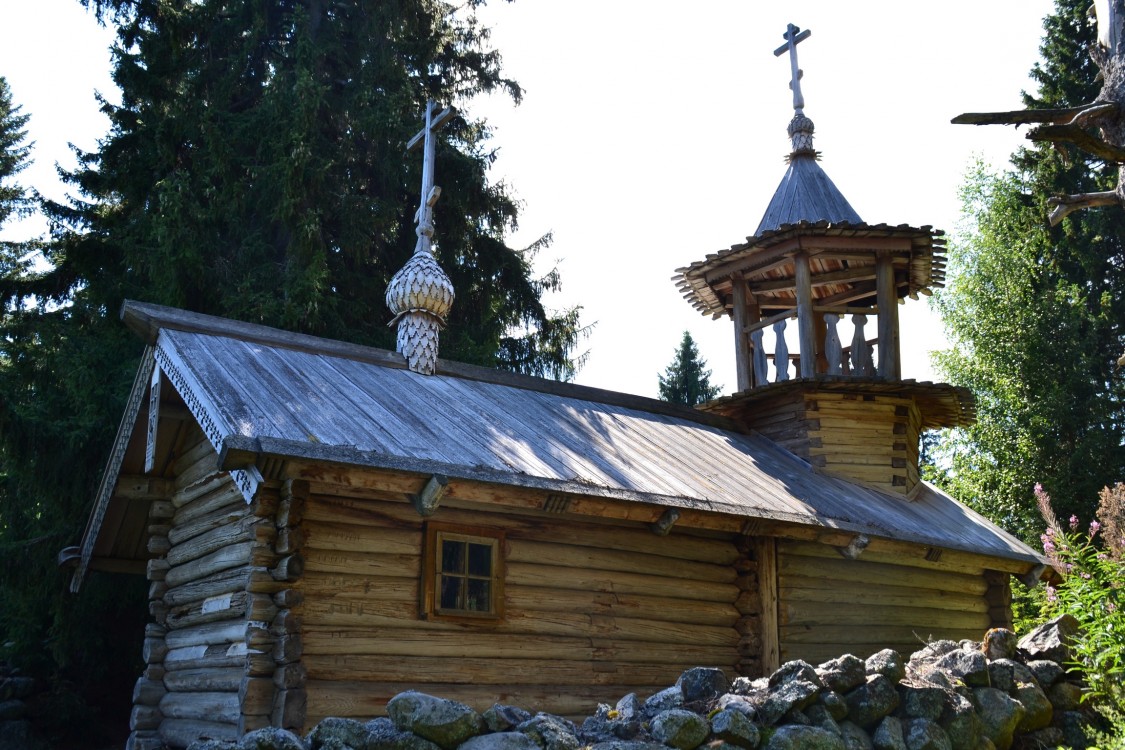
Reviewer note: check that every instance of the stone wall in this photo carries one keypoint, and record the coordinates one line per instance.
(993, 694)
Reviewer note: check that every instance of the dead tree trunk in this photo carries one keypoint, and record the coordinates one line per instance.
(1098, 128)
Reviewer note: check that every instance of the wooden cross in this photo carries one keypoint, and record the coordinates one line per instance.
(794, 36)
(430, 194)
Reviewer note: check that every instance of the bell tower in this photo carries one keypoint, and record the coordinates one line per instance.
(832, 393)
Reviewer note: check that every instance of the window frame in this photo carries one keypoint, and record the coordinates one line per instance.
(430, 605)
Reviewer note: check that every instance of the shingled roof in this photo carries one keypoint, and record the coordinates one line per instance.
(806, 193)
(271, 395)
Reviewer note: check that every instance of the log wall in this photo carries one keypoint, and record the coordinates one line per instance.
(830, 605)
(210, 599)
(591, 613)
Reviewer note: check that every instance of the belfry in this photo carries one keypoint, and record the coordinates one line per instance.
(843, 407)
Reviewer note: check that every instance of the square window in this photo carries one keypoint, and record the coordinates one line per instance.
(462, 573)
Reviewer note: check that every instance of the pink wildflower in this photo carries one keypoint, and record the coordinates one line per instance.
(1052, 596)
(1094, 526)
(1073, 522)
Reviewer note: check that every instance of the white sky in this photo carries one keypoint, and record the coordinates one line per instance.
(653, 133)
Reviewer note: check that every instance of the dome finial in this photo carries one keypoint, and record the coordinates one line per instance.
(420, 295)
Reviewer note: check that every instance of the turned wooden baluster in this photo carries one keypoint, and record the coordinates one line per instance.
(862, 364)
(832, 348)
(761, 374)
(781, 353)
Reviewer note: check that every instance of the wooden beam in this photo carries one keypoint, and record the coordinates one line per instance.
(887, 298)
(805, 331)
(742, 349)
(864, 273)
(855, 547)
(663, 525)
(765, 553)
(426, 502)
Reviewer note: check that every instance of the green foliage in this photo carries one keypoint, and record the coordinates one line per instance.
(686, 380)
(1092, 590)
(1036, 315)
(255, 169)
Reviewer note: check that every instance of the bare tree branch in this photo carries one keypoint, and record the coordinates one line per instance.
(1065, 205)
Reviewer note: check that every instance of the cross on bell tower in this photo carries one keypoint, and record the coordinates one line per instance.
(794, 36)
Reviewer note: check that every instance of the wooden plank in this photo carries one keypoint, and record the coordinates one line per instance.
(362, 563)
(861, 571)
(421, 670)
(233, 631)
(217, 538)
(408, 641)
(219, 679)
(549, 599)
(183, 732)
(217, 584)
(230, 513)
(765, 554)
(887, 299)
(518, 550)
(816, 614)
(531, 574)
(742, 318)
(844, 636)
(357, 538)
(223, 559)
(794, 588)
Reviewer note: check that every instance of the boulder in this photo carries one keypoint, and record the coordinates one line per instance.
(803, 738)
(960, 721)
(854, 737)
(382, 735)
(843, 674)
(500, 741)
(818, 716)
(333, 733)
(1046, 672)
(869, 703)
(662, 701)
(999, 715)
(1037, 710)
(888, 663)
(835, 703)
(501, 718)
(1073, 725)
(780, 700)
(1065, 696)
(681, 729)
(702, 684)
(1050, 641)
(921, 702)
(999, 643)
(795, 670)
(934, 650)
(629, 707)
(740, 703)
(551, 732)
(1049, 737)
(271, 738)
(923, 734)
(970, 667)
(888, 735)
(734, 728)
(444, 722)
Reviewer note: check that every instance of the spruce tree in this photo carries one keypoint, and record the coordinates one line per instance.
(1037, 314)
(687, 380)
(255, 169)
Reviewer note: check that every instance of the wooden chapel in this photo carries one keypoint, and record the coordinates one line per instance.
(324, 525)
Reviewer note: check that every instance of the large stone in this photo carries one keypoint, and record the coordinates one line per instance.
(1037, 710)
(934, 650)
(444, 722)
(854, 737)
(1065, 696)
(999, 715)
(334, 732)
(803, 738)
(628, 707)
(780, 700)
(1007, 674)
(835, 703)
(921, 702)
(740, 703)
(888, 663)
(795, 670)
(960, 721)
(888, 735)
(551, 732)
(999, 643)
(734, 728)
(382, 735)
(500, 741)
(818, 716)
(969, 667)
(702, 684)
(681, 729)
(1049, 737)
(1046, 672)
(843, 674)
(1073, 725)
(501, 718)
(662, 701)
(272, 738)
(923, 734)
(869, 703)
(1051, 640)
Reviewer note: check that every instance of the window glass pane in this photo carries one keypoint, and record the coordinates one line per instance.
(451, 588)
(478, 598)
(452, 557)
(480, 559)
